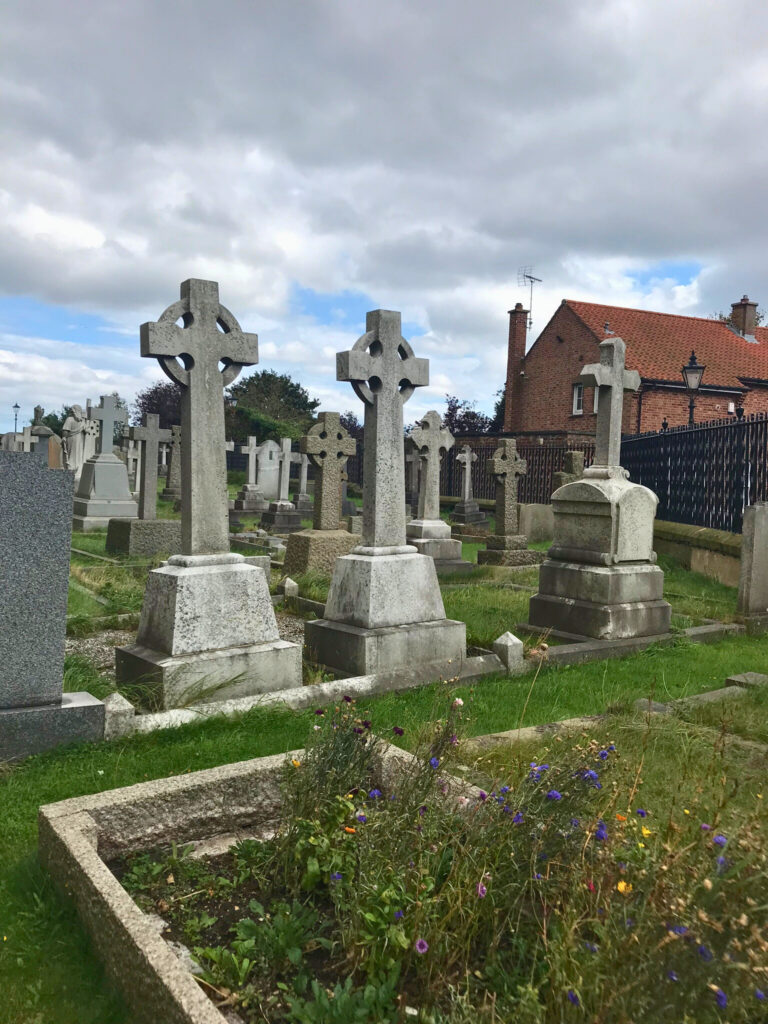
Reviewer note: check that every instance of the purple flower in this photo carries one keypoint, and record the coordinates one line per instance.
(573, 998)
(673, 976)
(554, 795)
(481, 890)
(483, 795)
(719, 840)
(434, 762)
(335, 876)
(362, 819)
(398, 914)
(421, 946)
(629, 923)
(591, 775)
(504, 789)
(601, 832)
(721, 998)
(575, 822)
(591, 947)
(517, 818)
(347, 700)
(374, 794)
(603, 755)
(722, 864)
(366, 724)
(453, 740)
(679, 929)
(397, 730)
(358, 730)
(538, 876)
(612, 746)
(705, 954)
(705, 827)
(319, 711)
(641, 813)
(422, 810)
(759, 994)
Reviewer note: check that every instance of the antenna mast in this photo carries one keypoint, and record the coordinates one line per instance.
(525, 277)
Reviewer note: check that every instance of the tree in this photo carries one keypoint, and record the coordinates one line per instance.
(163, 398)
(461, 417)
(117, 434)
(351, 424)
(497, 422)
(54, 420)
(276, 396)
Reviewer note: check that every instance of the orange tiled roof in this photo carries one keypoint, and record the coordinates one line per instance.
(658, 344)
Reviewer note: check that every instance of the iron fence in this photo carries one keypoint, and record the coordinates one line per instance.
(705, 475)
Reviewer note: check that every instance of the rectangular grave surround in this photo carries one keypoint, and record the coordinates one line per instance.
(78, 837)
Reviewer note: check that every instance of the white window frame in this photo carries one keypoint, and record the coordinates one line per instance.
(595, 400)
(577, 402)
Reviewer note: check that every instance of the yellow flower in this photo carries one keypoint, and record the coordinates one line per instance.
(641, 845)
(646, 832)
(686, 811)
(295, 763)
(624, 887)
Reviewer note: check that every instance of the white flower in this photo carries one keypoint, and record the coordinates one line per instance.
(458, 702)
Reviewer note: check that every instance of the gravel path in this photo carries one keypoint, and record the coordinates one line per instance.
(100, 647)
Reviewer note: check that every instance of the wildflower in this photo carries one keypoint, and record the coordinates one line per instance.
(759, 994)
(603, 755)
(601, 832)
(351, 831)
(366, 723)
(374, 794)
(705, 827)
(719, 840)
(572, 997)
(398, 914)
(453, 740)
(538, 876)
(591, 885)
(686, 811)
(295, 763)
(362, 819)
(722, 864)
(422, 810)
(316, 728)
(721, 998)
(591, 947)
(554, 795)
(641, 813)
(590, 775)
(434, 762)
(347, 700)
(481, 890)
(397, 730)
(421, 946)
(624, 887)
(705, 954)
(335, 876)
(679, 929)
(646, 831)
(319, 711)
(358, 730)
(518, 818)
(629, 923)
(458, 702)
(504, 789)
(621, 817)
(612, 746)
(673, 976)
(575, 822)
(483, 795)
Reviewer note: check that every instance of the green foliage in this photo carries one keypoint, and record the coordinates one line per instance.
(163, 398)
(345, 1004)
(269, 404)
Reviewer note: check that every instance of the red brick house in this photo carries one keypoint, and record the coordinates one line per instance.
(544, 396)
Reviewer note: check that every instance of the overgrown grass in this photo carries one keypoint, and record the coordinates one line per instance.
(746, 716)
(81, 604)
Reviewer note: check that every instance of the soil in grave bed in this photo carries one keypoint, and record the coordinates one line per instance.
(567, 889)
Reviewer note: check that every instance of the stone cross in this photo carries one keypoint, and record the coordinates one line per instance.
(328, 446)
(613, 380)
(108, 414)
(24, 440)
(173, 477)
(149, 435)
(287, 458)
(383, 371)
(431, 439)
(467, 458)
(210, 336)
(507, 466)
(251, 450)
(303, 470)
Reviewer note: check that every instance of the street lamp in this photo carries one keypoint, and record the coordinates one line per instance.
(16, 408)
(692, 373)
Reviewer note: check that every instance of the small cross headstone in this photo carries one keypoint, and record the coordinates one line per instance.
(172, 489)
(251, 452)
(149, 435)
(25, 440)
(573, 469)
(507, 467)
(210, 336)
(466, 458)
(287, 458)
(107, 413)
(384, 372)
(613, 380)
(431, 439)
(328, 446)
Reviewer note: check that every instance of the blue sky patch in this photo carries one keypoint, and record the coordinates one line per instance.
(33, 319)
(682, 271)
(344, 309)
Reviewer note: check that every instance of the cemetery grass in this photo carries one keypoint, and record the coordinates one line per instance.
(577, 878)
(746, 716)
(42, 928)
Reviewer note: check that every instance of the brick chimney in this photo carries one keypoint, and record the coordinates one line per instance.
(518, 331)
(744, 316)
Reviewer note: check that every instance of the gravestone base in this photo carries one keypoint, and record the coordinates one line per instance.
(143, 538)
(355, 525)
(250, 499)
(432, 650)
(303, 504)
(445, 552)
(467, 513)
(281, 517)
(171, 493)
(317, 550)
(510, 551)
(102, 494)
(615, 602)
(207, 626)
(79, 718)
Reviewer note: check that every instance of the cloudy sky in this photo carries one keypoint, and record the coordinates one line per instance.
(320, 158)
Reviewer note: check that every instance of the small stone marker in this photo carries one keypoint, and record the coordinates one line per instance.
(328, 446)
(573, 469)
(412, 464)
(250, 497)
(301, 498)
(753, 575)
(281, 516)
(428, 533)
(599, 579)
(510, 651)
(35, 525)
(207, 629)
(467, 512)
(384, 611)
(268, 478)
(172, 490)
(103, 492)
(507, 546)
(24, 440)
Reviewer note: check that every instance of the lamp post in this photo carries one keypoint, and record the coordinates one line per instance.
(16, 408)
(692, 373)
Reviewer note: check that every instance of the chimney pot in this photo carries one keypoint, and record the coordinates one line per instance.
(744, 316)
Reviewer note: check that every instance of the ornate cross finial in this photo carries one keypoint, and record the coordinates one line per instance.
(383, 371)
(108, 413)
(467, 458)
(431, 439)
(328, 446)
(149, 435)
(613, 380)
(211, 335)
(507, 466)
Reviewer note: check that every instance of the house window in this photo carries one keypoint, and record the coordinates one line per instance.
(578, 399)
(595, 400)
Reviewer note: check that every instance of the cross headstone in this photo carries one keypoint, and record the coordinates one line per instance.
(287, 458)
(303, 470)
(384, 372)
(613, 380)
(107, 413)
(507, 466)
(149, 435)
(328, 446)
(573, 469)
(25, 440)
(466, 458)
(173, 477)
(432, 439)
(251, 451)
(210, 336)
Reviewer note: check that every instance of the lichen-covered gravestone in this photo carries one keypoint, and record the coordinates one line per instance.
(428, 533)
(147, 535)
(328, 446)
(507, 546)
(573, 469)
(36, 529)
(384, 612)
(207, 629)
(281, 516)
(600, 579)
(467, 514)
(103, 492)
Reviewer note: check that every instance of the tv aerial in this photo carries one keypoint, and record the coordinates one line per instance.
(525, 277)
